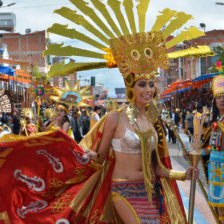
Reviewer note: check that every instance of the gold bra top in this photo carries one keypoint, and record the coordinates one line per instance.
(129, 143)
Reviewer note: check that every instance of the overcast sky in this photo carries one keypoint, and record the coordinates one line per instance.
(38, 15)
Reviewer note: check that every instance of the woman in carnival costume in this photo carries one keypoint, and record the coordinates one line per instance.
(57, 117)
(27, 126)
(214, 146)
(60, 119)
(141, 167)
(129, 162)
(65, 99)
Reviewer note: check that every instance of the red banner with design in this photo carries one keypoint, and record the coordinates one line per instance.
(37, 178)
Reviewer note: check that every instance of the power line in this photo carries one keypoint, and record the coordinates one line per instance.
(39, 6)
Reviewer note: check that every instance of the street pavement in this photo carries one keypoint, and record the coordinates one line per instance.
(202, 213)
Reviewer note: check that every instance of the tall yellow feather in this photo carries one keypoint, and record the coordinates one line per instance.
(82, 6)
(128, 5)
(167, 15)
(200, 51)
(142, 9)
(181, 19)
(80, 20)
(102, 8)
(73, 34)
(190, 34)
(57, 49)
(115, 6)
(65, 69)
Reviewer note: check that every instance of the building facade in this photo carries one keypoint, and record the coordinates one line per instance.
(27, 48)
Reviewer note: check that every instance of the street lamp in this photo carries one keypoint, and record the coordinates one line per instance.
(9, 5)
(203, 25)
(219, 3)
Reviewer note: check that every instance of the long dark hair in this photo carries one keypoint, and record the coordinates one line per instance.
(215, 111)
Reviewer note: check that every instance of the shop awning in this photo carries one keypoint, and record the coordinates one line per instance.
(5, 70)
(177, 87)
(199, 81)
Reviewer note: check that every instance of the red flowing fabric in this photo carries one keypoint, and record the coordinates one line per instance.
(33, 171)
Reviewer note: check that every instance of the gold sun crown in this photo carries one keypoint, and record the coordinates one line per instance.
(129, 47)
(218, 85)
(71, 96)
(27, 112)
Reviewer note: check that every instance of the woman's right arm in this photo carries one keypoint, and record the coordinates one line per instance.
(108, 133)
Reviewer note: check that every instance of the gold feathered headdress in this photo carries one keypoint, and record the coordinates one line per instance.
(49, 113)
(27, 112)
(136, 52)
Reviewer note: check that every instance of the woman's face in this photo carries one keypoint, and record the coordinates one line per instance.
(28, 120)
(220, 103)
(60, 113)
(144, 90)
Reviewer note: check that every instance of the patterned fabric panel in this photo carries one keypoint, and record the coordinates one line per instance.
(135, 194)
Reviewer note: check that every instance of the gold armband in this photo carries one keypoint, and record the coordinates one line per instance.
(177, 175)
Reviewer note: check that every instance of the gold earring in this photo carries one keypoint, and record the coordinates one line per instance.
(130, 95)
(128, 79)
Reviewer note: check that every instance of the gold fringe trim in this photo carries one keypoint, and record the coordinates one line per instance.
(146, 157)
(221, 217)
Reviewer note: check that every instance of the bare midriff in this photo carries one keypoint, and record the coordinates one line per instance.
(128, 166)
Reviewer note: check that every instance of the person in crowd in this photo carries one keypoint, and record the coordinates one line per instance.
(75, 126)
(176, 119)
(95, 116)
(190, 126)
(27, 126)
(214, 146)
(84, 121)
(183, 117)
(15, 122)
(61, 119)
(197, 115)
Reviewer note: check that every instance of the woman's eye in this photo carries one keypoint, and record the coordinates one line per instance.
(151, 85)
(142, 84)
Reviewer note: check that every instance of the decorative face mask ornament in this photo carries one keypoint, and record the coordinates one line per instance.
(71, 96)
(130, 47)
(139, 56)
(49, 113)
